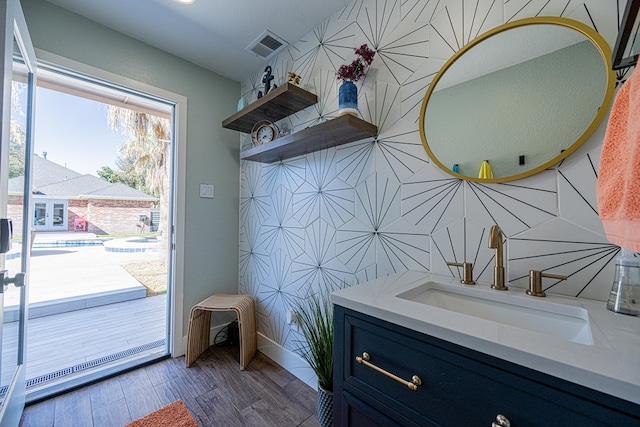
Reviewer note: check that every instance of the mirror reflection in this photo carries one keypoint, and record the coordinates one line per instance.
(522, 98)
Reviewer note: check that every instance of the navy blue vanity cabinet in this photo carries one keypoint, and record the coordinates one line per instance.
(459, 387)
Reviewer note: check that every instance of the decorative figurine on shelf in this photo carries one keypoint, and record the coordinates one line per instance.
(266, 79)
(294, 78)
(242, 103)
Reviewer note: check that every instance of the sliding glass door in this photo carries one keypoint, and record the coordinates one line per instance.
(19, 80)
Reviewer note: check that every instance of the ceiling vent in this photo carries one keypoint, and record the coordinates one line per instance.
(267, 44)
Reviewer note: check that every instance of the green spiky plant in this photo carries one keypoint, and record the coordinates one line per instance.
(315, 317)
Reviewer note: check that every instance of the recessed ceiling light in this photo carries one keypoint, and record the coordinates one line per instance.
(185, 1)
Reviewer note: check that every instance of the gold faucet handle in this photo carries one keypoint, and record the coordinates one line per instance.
(535, 282)
(467, 272)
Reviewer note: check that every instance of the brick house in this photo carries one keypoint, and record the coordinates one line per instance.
(65, 200)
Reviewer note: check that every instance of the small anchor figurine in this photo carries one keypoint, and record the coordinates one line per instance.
(266, 79)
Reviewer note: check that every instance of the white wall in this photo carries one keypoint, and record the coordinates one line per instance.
(377, 206)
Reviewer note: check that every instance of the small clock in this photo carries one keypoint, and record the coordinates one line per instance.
(263, 132)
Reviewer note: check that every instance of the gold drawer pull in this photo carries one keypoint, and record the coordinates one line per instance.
(412, 385)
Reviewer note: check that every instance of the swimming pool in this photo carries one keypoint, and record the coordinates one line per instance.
(127, 245)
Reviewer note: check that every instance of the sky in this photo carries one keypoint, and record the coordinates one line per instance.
(74, 132)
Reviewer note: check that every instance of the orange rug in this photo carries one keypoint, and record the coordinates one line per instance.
(175, 414)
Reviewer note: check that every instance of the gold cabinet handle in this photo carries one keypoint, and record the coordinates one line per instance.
(412, 385)
(501, 421)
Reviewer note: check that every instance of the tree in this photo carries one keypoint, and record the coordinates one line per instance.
(133, 177)
(147, 150)
(17, 144)
(126, 174)
(147, 147)
(108, 174)
(17, 134)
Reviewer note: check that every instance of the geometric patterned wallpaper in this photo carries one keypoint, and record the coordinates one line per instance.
(378, 206)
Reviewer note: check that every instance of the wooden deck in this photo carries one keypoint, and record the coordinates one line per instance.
(67, 340)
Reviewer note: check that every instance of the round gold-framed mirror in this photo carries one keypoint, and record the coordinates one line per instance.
(522, 97)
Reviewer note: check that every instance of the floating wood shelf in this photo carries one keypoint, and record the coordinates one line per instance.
(341, 130)
(276, 105)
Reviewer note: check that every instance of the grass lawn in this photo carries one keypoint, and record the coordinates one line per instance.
(151, 274)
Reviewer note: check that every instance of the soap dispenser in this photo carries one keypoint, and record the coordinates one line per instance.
(625, 292)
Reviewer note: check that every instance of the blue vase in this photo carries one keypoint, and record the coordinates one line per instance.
(348, 99)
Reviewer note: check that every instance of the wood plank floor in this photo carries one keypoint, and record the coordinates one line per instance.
(67, 339)
(214, 389)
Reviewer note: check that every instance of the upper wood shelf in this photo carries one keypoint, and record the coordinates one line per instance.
(341, 130)
(276, 105)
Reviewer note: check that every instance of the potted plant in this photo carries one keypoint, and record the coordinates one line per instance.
(315, 318)
(349, 74)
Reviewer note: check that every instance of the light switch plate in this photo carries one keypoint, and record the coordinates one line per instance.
(206, 191)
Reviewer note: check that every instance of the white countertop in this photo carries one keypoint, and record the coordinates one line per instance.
(610, 365)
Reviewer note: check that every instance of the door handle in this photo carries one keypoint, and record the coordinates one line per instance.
(6, 233)
(17, 280)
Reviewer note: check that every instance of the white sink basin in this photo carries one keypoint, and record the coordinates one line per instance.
(564, 321)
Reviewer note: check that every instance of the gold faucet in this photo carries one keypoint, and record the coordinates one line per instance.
(535, 282)
(467, 271)
(495, 242)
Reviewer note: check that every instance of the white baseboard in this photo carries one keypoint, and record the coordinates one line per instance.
(288, 359)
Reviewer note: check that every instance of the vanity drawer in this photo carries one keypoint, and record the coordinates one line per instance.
(456, 389)
(359, 413)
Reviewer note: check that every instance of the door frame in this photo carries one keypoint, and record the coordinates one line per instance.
(175, 300)
(15, 31)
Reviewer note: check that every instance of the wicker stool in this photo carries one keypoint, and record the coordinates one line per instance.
(200, 325)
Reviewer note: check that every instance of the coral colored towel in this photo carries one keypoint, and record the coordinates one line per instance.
(618, 187)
